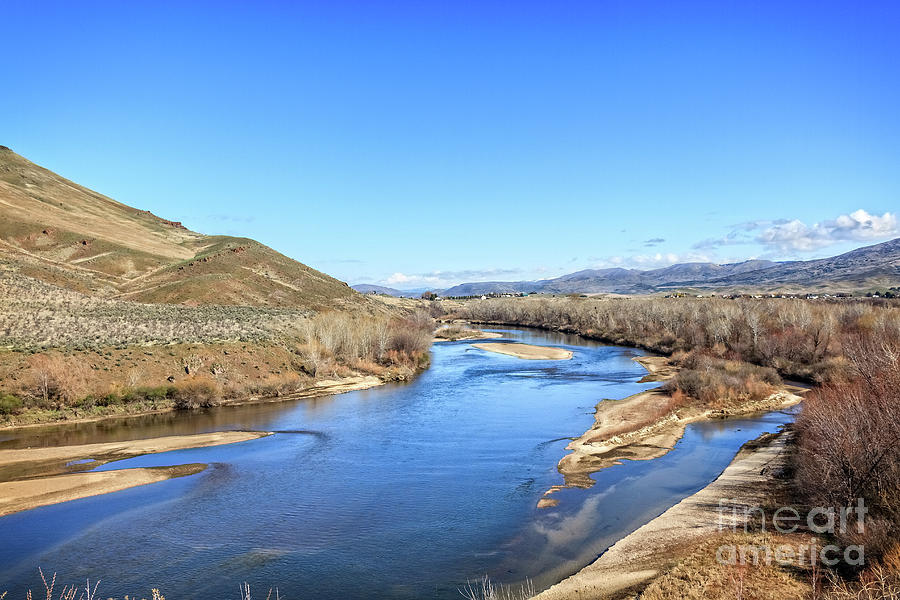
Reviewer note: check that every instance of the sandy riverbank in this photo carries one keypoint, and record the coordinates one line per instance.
(526, 351)
(16, 496)
(107, 451)
(40, 476)
(636, 559)
(630, 429)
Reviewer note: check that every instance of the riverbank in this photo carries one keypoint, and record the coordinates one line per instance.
(33, 477)
(321, 387)
(526, 351)
(644, 426)
(637, 559)
(17, 496)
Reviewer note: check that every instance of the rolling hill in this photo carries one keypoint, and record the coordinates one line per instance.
(62, 233)
(871, 267)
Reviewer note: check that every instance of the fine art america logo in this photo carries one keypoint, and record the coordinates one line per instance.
(734, 517)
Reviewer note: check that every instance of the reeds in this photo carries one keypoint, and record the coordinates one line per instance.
(485, 589)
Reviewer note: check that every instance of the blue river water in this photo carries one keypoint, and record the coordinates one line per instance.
(401, 491)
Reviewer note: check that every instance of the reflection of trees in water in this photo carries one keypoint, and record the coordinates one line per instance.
(260, 417)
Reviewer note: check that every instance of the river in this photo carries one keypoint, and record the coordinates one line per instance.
(400, 491)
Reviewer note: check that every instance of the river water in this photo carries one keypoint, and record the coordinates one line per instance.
(400, 491)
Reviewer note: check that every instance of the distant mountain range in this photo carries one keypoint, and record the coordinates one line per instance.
(367, 288)
(871, 267)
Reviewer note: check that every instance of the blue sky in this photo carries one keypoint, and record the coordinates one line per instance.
(427, 143)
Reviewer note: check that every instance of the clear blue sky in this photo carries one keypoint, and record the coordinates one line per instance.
(425, 143)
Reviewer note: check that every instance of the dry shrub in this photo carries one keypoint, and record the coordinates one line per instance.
(276, 385)
(56, 379)
(343, 338)
(410, 342)
(196, 392)
(877, 583)
(849, 448)
(720, 383)
(849, 441)
(452, 332)
(77, 320)
(368, 366)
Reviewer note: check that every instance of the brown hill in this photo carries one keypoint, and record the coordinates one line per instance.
(65, 234)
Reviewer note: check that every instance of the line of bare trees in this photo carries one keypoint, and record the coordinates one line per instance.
(849, 442)
(799, 338)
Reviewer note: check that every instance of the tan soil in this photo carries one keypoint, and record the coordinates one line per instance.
(526, 351)
(30, 493)
(117, 450)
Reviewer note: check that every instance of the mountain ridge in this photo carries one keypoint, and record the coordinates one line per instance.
(875, 266)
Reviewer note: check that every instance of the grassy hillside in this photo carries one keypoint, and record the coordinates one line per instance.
(62, 233)
(106, 309)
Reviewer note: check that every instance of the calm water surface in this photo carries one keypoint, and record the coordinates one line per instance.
(402, 491)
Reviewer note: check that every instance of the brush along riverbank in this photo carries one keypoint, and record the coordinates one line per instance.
(159, 401)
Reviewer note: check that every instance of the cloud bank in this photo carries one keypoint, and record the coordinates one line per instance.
(858, 226)
(793, 236)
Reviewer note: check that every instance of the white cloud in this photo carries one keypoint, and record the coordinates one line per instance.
(797, 236)
(401, 278)
(449, 278)
(650, 261)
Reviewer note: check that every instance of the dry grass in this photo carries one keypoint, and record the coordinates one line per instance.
(90, 382)
(718, 383)
(37, 316)
(89, 592)
(700, 576)
(485, 589)
(877, 583)
(453, 332)
(57, 231)
(75, 592)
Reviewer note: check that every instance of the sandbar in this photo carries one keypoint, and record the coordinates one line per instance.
(526, 351)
